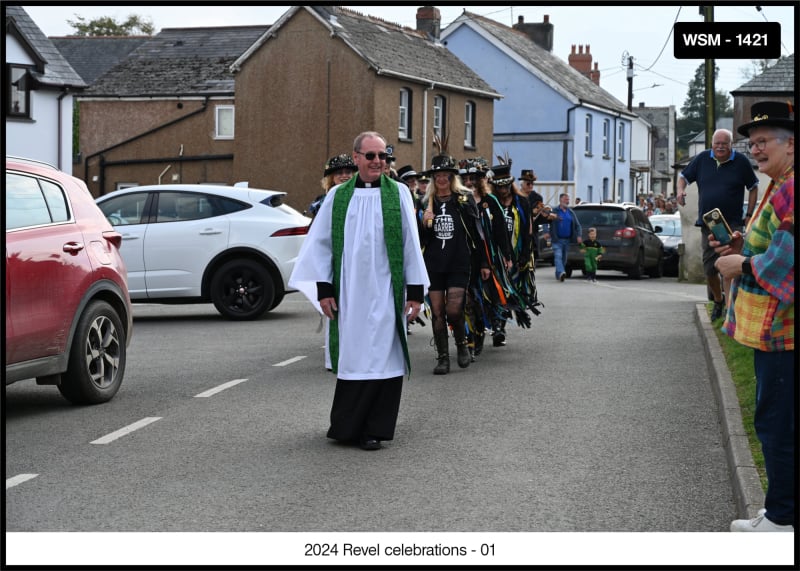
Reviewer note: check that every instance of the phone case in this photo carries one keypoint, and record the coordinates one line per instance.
(716, 223)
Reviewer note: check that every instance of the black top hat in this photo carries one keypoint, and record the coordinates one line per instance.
(770, 114)
(527, 174)
(407, 172)
(442, 163)
(339, 162)
(501, 175)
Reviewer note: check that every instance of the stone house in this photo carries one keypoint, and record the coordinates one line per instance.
(268, 105)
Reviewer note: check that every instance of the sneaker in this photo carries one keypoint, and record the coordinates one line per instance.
(719, 309)
(562, 277)
(758, 523)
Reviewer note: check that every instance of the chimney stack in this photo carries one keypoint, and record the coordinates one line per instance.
(429, 21)
(541, 34)
(582, 62)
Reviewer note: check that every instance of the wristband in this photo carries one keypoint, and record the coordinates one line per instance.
(747, 267)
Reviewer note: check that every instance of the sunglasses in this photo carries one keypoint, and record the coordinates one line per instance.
(371, 156)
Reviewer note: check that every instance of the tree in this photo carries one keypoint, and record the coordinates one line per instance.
(108, 26)
(757, 67)
(693, 119)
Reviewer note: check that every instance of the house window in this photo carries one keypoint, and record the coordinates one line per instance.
(606, 137)
(404, 123)
(606, 196)
(621, 143)
(439, 118)
(588, 144)
(621, 190)
(469, 124)
(224, 122)
(18, 94)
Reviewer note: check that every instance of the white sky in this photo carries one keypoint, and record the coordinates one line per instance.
(612, 32)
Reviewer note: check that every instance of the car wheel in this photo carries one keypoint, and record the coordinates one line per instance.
(97, 356)
(637, 270)
(658, 270)
(242, 290)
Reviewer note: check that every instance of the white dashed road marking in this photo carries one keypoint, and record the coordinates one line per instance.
(126, 430)
(220, 388)
(289, 361)
(18, 479)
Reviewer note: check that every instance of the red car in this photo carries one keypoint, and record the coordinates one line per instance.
(68, 312)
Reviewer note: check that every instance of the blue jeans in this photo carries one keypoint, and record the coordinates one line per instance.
(560, 248)
(775, 424)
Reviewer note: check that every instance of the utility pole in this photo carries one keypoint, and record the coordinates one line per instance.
(630, 83)
(711, 122)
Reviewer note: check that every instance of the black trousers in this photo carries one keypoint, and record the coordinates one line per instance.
(365, 408)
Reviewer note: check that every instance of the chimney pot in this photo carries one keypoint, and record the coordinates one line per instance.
(547, 18)
(521, 19)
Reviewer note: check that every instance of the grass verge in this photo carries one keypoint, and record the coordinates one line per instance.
(740, 363)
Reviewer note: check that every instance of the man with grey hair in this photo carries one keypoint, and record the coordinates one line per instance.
(722, 176)
(361, 266)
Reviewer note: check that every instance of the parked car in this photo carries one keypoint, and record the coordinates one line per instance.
(68, 312)
(232, 246)
(631, 244)
(544, 246)
(668, 229)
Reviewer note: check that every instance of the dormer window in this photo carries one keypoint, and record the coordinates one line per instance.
(18, 91)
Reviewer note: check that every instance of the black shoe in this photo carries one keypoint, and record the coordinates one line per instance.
(369, 443)
(562, 277)
(499, 339)
(478, 345)
(719, 309)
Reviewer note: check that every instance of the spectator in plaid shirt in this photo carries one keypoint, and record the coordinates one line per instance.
(761, 312)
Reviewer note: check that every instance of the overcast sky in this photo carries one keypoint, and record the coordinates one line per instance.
(612, 32)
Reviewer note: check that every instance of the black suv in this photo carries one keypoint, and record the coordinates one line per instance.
(627, 235)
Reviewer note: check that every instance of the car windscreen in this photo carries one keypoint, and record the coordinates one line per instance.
(593, 217)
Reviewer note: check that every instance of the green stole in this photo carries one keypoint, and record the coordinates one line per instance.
(392, 235)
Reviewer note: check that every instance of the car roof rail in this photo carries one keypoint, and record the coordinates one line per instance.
(31, 161)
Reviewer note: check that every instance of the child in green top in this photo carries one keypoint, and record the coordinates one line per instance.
(592, 252)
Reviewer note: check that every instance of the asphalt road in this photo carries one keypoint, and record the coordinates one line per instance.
(600, 417)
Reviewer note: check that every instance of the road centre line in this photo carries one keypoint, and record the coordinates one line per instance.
(125, 430)
(289, 361)
(18, 479)
(220, 388)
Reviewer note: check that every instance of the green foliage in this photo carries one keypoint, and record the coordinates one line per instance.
(693, 119)
(108, 26)
(740, 363)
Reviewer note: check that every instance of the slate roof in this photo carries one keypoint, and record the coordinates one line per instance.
(777, 79)
(91, 56)
(553, 70)
(390, 49)
(57, 71)
(179, 62)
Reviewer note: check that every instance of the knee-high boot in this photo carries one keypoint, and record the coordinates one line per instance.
(442, 353)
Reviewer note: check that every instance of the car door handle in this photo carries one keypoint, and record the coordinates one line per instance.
(130, 237)
(210, 232)
(73, 247)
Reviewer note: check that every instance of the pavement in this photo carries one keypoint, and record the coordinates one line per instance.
(745, 481)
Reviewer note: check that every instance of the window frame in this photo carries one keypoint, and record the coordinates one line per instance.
(404, 132)
(621, 142)
(588, 124)
(11, 90)
(606, 138)
(439, 115)
(217, 122)
(470, 112)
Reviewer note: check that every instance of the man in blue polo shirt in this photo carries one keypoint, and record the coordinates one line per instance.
(722, 176)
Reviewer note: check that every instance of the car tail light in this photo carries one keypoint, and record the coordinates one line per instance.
(298, 231)
(114, 237)
(626, 233)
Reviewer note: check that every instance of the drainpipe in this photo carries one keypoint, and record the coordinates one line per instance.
(425, 125)
(59, 145)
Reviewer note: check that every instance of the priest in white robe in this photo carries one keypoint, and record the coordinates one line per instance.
(362, 267)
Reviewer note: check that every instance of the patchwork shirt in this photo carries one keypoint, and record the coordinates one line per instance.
(761, 312)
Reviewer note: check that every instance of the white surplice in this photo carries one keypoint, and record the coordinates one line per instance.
(369, 346)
